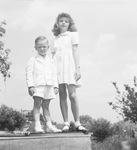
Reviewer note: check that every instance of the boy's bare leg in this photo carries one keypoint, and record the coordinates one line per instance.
(47, 117)
(36, 114)
(46, 112)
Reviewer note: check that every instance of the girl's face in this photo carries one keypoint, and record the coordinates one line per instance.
(63, 24)
(42, 47)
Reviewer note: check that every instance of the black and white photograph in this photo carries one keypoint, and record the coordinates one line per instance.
(68, 74)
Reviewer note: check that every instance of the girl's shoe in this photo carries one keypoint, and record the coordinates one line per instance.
(80, 128)
(66, 128)
(53, 129)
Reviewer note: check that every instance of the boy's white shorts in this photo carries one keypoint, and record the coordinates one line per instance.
(46, 92)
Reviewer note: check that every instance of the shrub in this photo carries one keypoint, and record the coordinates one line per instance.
(10, 119)
(101, 129)
(86, 121)
(110, 143)
(72, 127)
(133, 144)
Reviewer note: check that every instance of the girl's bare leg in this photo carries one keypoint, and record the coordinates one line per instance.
(63, 102)
(74, 101)
(75, 108)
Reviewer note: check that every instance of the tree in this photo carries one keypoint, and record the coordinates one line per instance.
(4, 54)
(126, 102)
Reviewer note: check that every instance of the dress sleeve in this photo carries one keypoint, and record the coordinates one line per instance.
(74, 38)
(29, 72)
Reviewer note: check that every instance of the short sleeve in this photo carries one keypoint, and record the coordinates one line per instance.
(74, 38)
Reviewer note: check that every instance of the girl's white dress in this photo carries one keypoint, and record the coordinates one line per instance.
(62, 47)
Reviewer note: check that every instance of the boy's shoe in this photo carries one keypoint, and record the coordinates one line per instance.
(82, 129)
(53, 129)
(38, 129)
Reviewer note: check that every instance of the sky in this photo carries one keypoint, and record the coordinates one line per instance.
(108, 50)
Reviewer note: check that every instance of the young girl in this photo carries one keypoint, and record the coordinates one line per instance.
(65, 53)
(42, 84)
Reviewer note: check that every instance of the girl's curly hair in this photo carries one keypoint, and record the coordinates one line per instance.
(71, 28)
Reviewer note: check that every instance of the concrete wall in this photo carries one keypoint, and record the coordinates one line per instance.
(60, 141)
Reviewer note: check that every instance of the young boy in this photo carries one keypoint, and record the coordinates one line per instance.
(42, 84)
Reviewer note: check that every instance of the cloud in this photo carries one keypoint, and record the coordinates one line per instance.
(100, 0)
(106, 39)
(36, 14)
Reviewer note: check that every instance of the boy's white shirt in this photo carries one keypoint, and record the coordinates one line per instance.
(41, 71)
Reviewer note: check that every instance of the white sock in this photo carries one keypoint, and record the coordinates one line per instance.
(37, 123)
(77, 123)
(67, 123)
(48, 123)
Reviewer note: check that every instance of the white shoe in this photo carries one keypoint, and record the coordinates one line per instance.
(53, 129)
(65, 128)
(38, 129)
(82, 129)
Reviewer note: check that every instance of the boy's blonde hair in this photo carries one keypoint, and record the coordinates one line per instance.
(40, 38)
(71, 28)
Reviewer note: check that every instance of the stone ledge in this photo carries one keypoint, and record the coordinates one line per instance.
(61, 141)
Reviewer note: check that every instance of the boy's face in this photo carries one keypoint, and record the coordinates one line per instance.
(42, 47)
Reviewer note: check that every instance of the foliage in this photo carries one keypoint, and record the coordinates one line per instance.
(10, 119)
(101, 129)
(86, 121)
(110, 143)
(126, 102)
(72, 127)
(4, 55)
(133, 144)
(124, 129)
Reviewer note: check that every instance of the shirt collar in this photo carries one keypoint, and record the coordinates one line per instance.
(65, 33)
(40, 57)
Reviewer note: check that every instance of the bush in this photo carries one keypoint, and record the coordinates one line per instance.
(86, 121)
(10, 119)
(101, 129)
(133, 144)
(110, 143)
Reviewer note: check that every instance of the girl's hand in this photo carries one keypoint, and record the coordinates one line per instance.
(53, 48)
(56, 90)
(77, 74)
(31, 91)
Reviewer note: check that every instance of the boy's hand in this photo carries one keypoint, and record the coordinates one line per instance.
(31, 91)
(56, 90)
